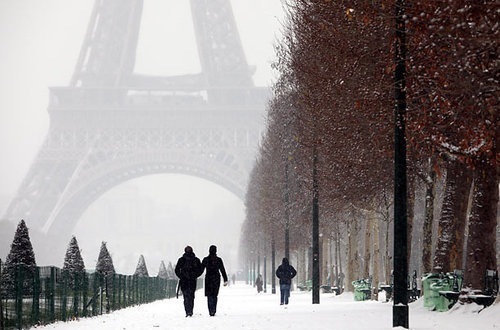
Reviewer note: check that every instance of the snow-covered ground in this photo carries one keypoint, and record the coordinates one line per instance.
(240, 307)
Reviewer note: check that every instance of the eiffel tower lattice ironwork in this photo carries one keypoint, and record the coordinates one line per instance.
(111, 124)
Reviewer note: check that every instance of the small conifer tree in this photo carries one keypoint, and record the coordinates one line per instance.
(141, 269)
(171, 271)
(20, 258)
(73, 261)
(104, 262)
(162, 272)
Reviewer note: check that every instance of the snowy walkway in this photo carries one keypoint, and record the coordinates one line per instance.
(240, 307)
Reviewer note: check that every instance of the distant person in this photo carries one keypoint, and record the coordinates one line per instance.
(215, 267)
(233, 278)
(188, 269)
(285, 273)
(258, 283)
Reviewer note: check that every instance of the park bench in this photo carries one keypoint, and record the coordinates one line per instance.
(331, 289)
(413, 290)
(326, 288)
(387, 288)
(306, 286)
(456, 287)
(487, 296)
(339, 287)
(452, 290)
(337, 290)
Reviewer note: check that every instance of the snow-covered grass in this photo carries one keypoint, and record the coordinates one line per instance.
(241, 307)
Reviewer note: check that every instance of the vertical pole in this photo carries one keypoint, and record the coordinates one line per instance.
(2, 324)
(114, 289)
(52, 294)
(35, 312)
(101, 293)
(258, 264)
(336, 281)
(273, 267)
(247, 271)
(85, 293)
(106, 277)
(95, 288)
(76, 292)
(265, 274)
(253, 271)
(19, 280)
(315, 231)
(64, 302)
(400, 307)
(119, 293)
(340, 272)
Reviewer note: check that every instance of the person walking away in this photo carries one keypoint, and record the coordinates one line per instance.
(258, 283)
(214, 269)
(188, 269)
(285, 273)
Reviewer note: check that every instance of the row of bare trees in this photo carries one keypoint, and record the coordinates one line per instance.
(334, 101)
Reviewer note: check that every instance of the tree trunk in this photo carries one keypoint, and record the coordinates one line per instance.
(323, 255)
(308, 264)
(376, 252)
(353, 264)
(350, 256)
(451, 227)
(340, 275)
(481, 242)
(430, 184)
(387, 255)
(368, 244)
(336, 258)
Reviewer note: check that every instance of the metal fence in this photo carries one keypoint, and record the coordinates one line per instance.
(41, 295)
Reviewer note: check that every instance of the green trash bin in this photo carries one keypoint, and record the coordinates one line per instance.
(362, 289)
(429, 295)
(432, 284)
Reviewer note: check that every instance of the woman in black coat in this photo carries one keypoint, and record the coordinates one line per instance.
(215, 267)
(188, 269)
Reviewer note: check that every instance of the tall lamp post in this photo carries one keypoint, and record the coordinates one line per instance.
(400, 307)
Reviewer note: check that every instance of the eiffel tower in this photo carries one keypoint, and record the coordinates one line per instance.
(111, 124)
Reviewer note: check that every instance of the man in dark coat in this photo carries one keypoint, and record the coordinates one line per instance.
(285, 273)
(188, 269)
(215, 267)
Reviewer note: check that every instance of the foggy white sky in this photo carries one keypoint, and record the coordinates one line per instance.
(40, 42)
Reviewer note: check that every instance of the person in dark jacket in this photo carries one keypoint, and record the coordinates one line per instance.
(188, 269)
(258, 283)
(285, 273)
(215, 267)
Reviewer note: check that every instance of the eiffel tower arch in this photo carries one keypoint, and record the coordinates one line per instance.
(110, 124)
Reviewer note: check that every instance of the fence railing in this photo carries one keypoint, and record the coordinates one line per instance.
(42, 295)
